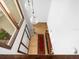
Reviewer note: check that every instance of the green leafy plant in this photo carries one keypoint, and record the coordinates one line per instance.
(4, 35)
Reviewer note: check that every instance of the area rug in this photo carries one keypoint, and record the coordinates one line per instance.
(41, 44)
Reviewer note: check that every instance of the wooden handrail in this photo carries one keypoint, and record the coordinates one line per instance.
(48, 42)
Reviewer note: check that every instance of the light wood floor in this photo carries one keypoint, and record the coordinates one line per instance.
(38, 28)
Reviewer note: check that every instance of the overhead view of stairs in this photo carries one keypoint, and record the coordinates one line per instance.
(38, 29)
(40, 41)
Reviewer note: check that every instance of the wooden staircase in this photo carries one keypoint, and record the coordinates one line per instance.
(41, 43)
(48, 42)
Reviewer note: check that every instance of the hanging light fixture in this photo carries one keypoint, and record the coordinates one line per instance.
(34, 18)
(28, 2)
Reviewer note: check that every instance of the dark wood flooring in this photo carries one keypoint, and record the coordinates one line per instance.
(39, 57)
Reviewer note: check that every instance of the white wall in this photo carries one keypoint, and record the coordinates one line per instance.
(41, 8)
(27, 14)
(63, 24)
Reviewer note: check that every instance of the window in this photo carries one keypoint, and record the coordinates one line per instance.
(10, 21)
(24, 44)
(14, 10)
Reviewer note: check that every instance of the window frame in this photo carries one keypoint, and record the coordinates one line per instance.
(12, 20)
(21, 43)
(20, 10)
